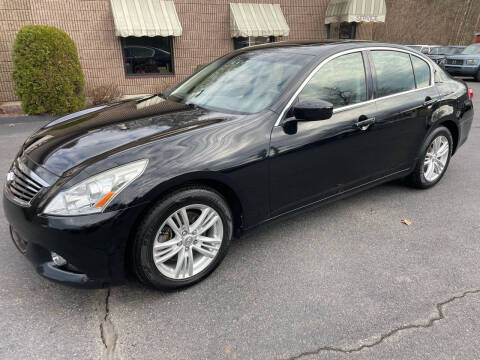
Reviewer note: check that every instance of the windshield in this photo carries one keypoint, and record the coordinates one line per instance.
(473, 49)
(245, 83)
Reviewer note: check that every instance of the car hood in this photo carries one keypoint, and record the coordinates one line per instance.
(463, 57)
(84, 137)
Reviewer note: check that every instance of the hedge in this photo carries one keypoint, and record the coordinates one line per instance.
(46, 71)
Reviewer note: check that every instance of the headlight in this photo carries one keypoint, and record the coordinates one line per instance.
(442, 61)
(471, 62)
(95, 193)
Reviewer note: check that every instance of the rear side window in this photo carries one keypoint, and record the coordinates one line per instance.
(341, 81)
(439, 75)
(422, 72)
(394, 72)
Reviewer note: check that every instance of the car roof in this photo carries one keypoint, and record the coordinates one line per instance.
(319, 48)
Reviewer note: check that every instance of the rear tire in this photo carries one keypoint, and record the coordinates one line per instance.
(477, 76)
(192, 249)
(433, 160)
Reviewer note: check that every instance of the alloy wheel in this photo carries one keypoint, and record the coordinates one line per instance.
(188, 241)
(436, 158)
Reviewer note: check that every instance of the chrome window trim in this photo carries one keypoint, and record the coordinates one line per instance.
(319, 66)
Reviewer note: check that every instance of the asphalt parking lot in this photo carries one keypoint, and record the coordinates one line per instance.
(344, 281)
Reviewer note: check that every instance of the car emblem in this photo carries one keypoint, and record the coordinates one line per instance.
(10, 177)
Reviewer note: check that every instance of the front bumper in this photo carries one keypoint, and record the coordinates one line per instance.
(461, 70)
(93, 245)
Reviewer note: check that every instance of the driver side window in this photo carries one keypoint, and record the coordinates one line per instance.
(341, 81)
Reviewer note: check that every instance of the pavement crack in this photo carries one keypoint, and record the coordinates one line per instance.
(365, 344)
(108, 332)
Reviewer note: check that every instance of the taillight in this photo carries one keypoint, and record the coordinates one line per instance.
(470, 93)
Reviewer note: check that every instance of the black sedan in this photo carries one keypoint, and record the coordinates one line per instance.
(160, 185)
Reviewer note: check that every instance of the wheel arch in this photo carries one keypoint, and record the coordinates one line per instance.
(453, 128)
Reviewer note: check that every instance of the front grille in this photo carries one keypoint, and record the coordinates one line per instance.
(454, 62)
(23, 184)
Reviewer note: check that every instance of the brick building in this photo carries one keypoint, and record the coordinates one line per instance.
(144, 46)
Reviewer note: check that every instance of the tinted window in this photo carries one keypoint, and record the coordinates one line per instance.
(341, 81)
(147, 55)
(394, 72)
(422, 72)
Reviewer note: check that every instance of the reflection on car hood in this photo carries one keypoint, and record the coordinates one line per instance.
(77, 138)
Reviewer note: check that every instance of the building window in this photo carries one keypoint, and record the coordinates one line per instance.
(344, 30)
(148, 55)
(241, 42)
(347, 30)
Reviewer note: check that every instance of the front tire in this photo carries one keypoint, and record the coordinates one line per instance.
(434, 159)
(183, 238)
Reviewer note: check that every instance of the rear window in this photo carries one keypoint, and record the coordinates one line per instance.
(440, 75)
(394, 72)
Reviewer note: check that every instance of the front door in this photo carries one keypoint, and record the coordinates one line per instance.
(318, 159)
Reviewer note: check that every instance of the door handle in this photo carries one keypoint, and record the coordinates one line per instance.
(363, 122)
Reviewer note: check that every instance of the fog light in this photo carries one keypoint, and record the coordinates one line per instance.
(57, 259)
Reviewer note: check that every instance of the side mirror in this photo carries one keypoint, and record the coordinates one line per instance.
(313, 110)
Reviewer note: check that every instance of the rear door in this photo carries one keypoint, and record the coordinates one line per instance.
(405, 97)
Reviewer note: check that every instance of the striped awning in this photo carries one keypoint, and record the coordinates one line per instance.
(355, 11)
(257, 20)
(145, 18)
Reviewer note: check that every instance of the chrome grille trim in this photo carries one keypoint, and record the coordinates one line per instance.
(454, 62)
(36, 179)
(25, 184)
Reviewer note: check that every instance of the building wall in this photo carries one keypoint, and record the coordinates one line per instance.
(13, 15)
(206, 32)
(206, 36)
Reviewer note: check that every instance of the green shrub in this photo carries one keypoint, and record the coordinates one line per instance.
(46, 71)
